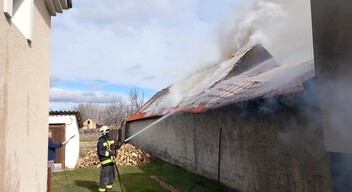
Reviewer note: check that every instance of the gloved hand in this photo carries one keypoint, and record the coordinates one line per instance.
(112, 153)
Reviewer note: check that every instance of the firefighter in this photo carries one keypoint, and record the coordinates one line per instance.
(106, 148)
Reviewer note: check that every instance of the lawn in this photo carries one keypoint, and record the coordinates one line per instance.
(135, 179)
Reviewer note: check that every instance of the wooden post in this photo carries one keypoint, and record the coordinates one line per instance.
(49, 180)
(219, 160)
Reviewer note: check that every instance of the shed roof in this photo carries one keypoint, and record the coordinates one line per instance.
(76, 113)
(248, 75)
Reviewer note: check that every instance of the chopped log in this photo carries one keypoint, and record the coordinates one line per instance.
(127, 155)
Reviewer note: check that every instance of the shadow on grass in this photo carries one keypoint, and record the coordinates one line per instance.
(181, 179)
(91, 185)
(138, 182)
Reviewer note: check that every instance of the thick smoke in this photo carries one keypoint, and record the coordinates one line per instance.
(282, 27)
(336, 112)
(337, 121)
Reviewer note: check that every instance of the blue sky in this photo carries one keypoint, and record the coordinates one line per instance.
(104, 48)
(101, 49)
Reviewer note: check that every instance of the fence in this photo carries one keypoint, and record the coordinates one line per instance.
(89, 134)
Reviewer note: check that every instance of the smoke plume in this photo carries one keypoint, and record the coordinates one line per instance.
(282, 27)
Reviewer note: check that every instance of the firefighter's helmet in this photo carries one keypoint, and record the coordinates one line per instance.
(104, 130)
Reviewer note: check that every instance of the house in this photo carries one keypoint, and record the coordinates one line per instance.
(91, 124)
(64, 125)
(24, 92)
(248, 121)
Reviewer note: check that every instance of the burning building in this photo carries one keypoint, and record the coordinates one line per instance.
(248, 121)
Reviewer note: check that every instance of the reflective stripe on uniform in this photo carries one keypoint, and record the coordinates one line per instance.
(109, 186)
(106, 161)
(101, 189)
(108, 143)
(107, 153)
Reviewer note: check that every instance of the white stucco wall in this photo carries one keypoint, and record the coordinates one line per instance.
(24, 102)
(72, 147)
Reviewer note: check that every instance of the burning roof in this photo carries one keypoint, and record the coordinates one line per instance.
(248, 75)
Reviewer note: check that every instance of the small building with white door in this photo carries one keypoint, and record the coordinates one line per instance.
(64, 125)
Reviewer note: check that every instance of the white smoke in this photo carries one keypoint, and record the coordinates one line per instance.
(282, 27)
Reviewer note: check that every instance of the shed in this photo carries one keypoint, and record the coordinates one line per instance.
(64, 125)
(249, 75)
(91, 124)
(248, 121)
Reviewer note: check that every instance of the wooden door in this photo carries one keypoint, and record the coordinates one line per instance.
(59, 131)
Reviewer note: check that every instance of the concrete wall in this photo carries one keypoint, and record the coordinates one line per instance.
(24, 103)
(333, 63)
(270, 145)
(72, 147)
(332, 40)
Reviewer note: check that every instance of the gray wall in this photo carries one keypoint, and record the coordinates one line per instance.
(332, 40)
(267, 145)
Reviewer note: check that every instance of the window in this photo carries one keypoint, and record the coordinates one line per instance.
(21, 14)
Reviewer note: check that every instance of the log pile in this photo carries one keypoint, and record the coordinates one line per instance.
(91, 159)
(127, 155)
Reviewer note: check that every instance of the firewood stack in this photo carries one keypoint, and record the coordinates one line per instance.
(127, 155)
(91, 159)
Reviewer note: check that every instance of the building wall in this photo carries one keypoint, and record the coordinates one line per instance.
(270, 145)
(24, 103)
(332, 29)
(72, 147)
(92, 124)
(333, 63)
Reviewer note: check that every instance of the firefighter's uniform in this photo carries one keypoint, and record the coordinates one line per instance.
(106, 153)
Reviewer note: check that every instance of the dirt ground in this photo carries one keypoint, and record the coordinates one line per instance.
(84, 147)
(87, 142)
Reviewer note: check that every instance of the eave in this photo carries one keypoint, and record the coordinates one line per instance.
(57, 6)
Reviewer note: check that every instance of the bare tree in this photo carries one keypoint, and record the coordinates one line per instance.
(115, 112)
(91, 110)
(112, 113)
(136, 100)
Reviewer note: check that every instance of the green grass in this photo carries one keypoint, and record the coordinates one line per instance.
(181, 179)
(135, 179)
(86, 180)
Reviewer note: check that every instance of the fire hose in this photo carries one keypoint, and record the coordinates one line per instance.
(118, 175)
(117, 170)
